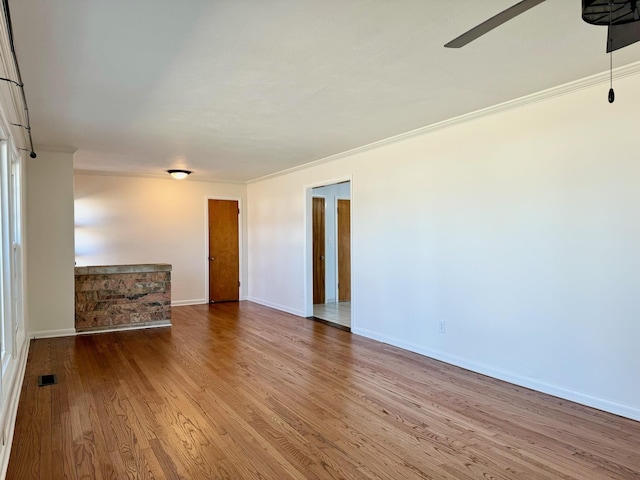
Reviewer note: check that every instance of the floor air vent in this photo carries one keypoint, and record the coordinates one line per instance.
(46, 380)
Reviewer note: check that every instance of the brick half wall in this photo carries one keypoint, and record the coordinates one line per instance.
(126, 296)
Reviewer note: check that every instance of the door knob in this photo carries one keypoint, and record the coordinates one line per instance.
(212, 258)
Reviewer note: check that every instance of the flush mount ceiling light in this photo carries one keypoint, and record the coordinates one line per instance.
(179, 174)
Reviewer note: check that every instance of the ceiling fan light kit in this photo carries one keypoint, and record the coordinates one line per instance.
(622, 18)
(618, 12)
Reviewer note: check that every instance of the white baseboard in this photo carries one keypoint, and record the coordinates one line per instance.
(197, 301)
(292, 311)
(181, 303)
(123, 329)
(64, 332)
(11, 410)
(627, 411)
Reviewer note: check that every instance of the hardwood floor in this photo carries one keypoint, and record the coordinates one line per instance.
(240, 391)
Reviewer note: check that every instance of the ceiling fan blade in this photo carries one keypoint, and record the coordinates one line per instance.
(492, 23)
(621, 35)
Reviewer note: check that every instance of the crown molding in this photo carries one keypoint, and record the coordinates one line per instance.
(560, 90)
(157, 176)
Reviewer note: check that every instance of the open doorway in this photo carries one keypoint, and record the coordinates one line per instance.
(331, 253)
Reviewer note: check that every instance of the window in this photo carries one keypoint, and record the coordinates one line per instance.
(11, 261)
(5, 257)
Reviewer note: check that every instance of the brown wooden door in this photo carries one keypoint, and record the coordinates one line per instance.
(344, 250)
(318, 250)
(224, 258)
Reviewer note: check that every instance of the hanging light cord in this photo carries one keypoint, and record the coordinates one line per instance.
(612, 95)
(611, 69)
(18, 83)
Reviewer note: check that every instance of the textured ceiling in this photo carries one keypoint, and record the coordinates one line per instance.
(237, 89)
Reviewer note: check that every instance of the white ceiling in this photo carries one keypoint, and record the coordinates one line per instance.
(237, 89)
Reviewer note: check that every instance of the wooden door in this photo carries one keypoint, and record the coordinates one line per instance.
(344, 250)
(318, 250)
(224, 258)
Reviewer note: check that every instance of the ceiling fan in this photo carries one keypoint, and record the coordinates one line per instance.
(621, 16)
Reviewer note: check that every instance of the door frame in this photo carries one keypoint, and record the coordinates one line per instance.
(308, 240)
(205, 255)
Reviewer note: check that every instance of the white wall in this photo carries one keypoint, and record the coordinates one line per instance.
(50, 253)
(520, 230)
(331, 193)
(125, 220)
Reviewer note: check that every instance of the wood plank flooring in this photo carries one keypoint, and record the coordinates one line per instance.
(240, 391)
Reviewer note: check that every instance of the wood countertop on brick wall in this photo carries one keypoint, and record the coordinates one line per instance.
(110, 269)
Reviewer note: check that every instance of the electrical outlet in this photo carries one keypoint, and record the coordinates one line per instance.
(442, 326)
